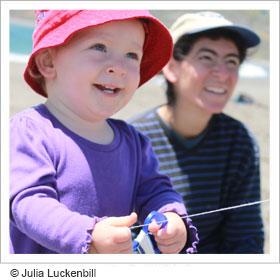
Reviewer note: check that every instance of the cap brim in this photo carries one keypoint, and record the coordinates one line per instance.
(251, 39)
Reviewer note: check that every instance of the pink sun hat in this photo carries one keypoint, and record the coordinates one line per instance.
(55, 27)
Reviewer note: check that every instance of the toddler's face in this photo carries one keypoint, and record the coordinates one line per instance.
(98, 71)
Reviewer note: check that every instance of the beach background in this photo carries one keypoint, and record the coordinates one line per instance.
(249, 104)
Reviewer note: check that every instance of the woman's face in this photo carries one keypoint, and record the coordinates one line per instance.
(205, 79)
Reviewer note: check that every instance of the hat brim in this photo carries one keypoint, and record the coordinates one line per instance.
(250, 38)
(157, 49)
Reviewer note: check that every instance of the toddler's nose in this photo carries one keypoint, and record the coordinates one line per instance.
(117, 68)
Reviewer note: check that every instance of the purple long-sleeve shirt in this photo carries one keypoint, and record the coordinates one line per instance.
(62, 184)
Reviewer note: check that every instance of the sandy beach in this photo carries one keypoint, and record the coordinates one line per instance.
(255, 115)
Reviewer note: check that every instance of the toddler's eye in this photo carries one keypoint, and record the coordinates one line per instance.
(133, 55)
(99, 47)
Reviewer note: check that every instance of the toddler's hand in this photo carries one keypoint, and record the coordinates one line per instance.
(172, 238)
(113, 236)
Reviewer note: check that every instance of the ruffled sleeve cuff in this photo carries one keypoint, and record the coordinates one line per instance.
(192, 241)
(192, 234)
(88, 235)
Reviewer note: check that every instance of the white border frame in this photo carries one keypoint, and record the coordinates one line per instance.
(272, 6)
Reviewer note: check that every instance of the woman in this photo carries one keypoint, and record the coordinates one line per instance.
(211, 158)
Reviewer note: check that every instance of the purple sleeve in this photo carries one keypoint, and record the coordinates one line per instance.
(156, 193)
(34, 200)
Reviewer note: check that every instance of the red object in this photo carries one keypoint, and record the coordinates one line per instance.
(55, 27)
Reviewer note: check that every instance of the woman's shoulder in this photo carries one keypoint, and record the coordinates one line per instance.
(144, 119)
(148, 123)
(232, 126)
(226, 121)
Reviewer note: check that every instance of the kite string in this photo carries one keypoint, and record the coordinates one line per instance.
(211, 211)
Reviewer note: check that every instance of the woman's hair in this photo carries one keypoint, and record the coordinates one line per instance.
(185, 44)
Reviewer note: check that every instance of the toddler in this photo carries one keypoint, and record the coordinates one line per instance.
(80, 180)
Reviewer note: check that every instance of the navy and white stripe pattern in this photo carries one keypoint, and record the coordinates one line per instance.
(221, 170)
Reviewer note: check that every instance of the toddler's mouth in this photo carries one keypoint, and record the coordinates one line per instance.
(107, 89)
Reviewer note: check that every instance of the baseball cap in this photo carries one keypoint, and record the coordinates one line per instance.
(55, 27)
(192, 23)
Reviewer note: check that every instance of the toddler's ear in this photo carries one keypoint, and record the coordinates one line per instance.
(44, 63)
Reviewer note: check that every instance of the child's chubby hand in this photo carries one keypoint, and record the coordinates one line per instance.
(172, 238)
(113, 236)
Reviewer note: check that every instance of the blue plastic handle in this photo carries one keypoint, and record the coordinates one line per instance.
(162, 221)
(158, 217)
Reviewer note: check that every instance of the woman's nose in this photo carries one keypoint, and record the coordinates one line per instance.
(221, 71)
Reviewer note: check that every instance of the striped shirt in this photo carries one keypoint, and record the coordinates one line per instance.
(220, 168)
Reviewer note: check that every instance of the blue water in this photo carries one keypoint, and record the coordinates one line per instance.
(20, 38)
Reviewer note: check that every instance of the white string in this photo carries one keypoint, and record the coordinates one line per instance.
(211, 211)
